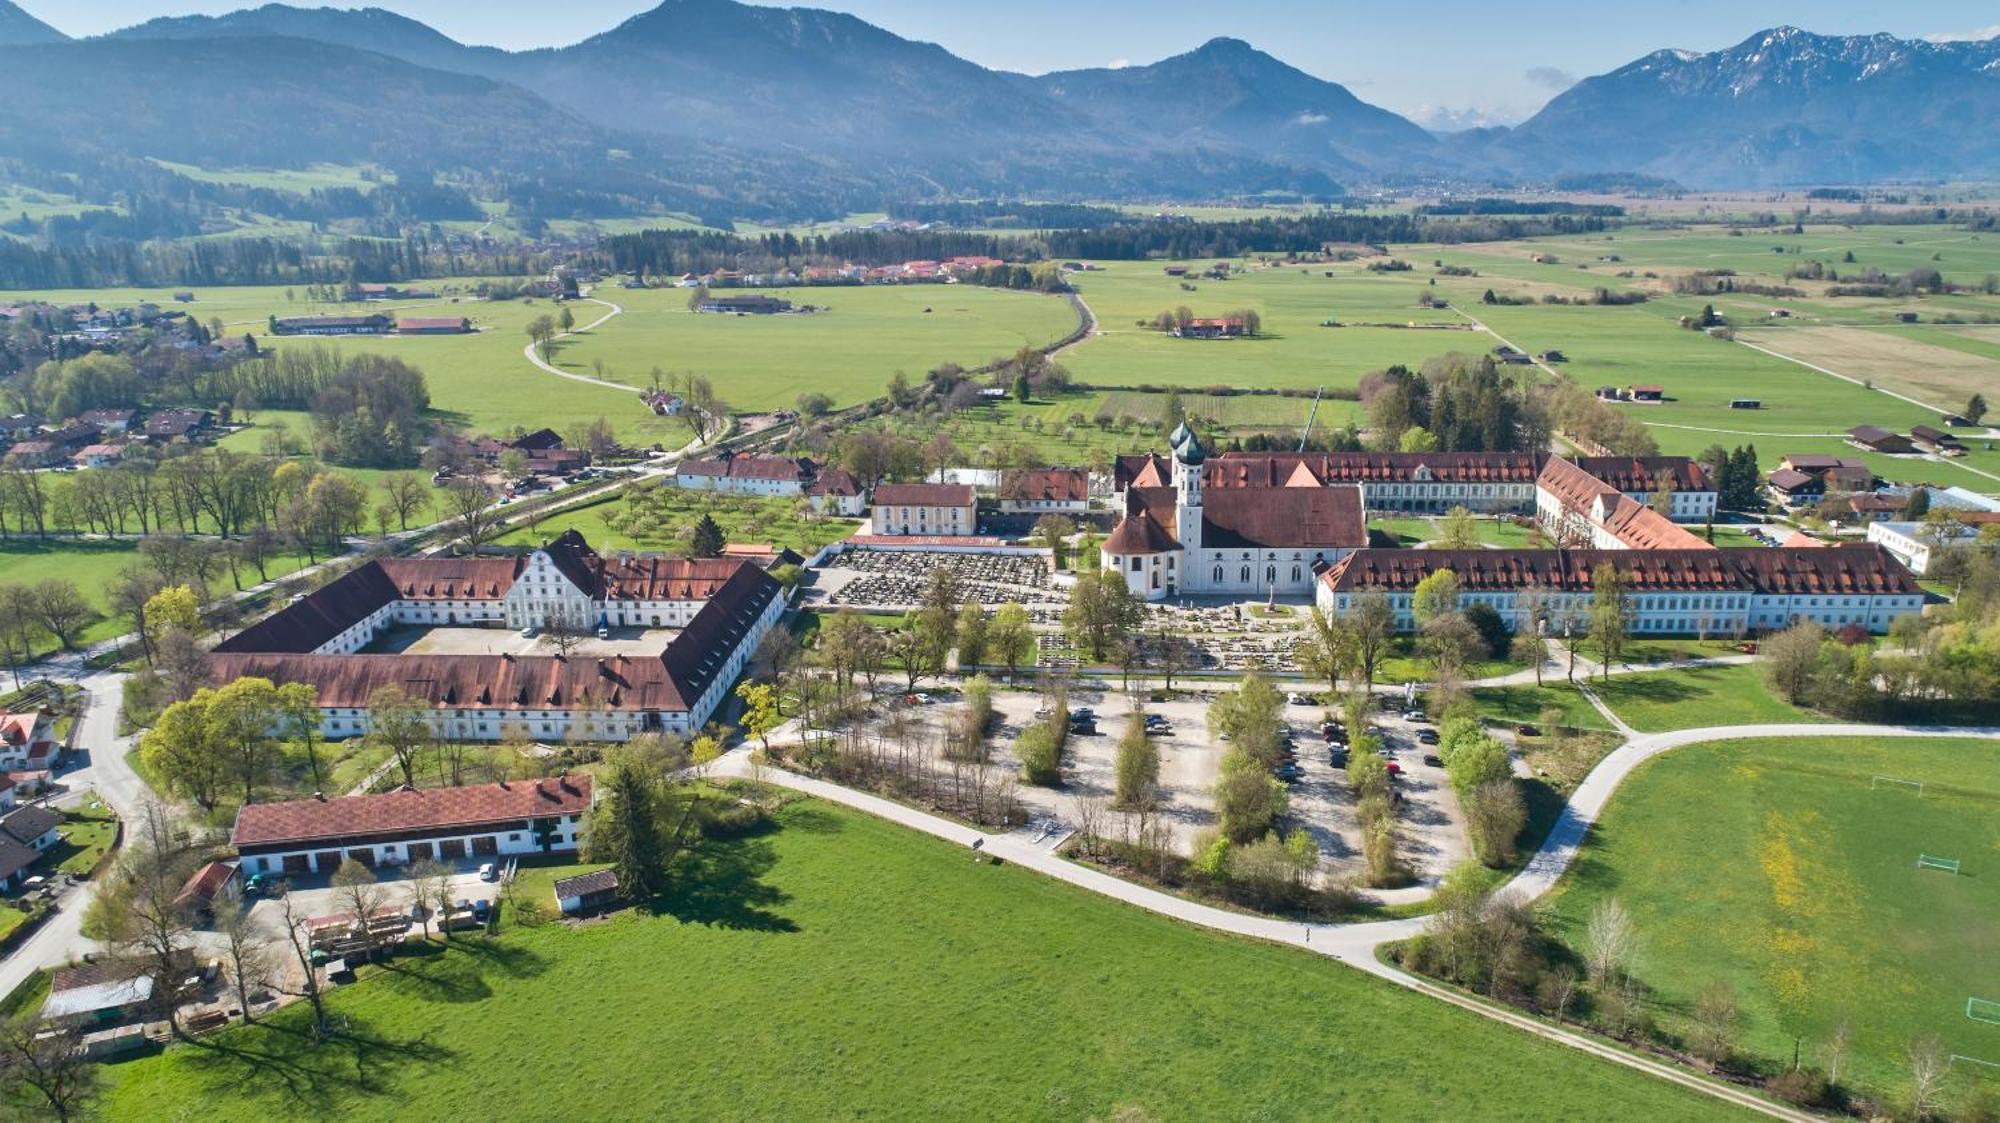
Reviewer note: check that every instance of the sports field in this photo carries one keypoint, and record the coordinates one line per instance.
(1782, 867)
(841, 966)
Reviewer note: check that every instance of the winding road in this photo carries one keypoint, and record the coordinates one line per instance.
(533, 354)
(1359, 944)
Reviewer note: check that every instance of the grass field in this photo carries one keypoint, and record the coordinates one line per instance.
(87, 832)
(1692, 697)
(848, 351)
(1903, 363)
(841, 966)
(1797, 883)
(1525, 704)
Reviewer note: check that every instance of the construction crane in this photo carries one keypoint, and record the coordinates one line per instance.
(1310, 415)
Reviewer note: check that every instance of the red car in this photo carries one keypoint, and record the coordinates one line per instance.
(1394, 768)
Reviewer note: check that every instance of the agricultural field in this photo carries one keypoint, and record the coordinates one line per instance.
(318, 177)
(1901, 363)
(780, 981)
(847, 351)
(1797, 883)
(94, 563)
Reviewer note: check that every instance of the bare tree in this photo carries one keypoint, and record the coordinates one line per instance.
(245, 946)
(1610, 942)
(408, 495)
(470, 505)
(1716, 1021)
(1838, 1044)
(301, 945)
(1928, 1066)
(566, 630)
(140, 914)
(47, 1059)
(1089, 821)
(354, 886)
(430, 881)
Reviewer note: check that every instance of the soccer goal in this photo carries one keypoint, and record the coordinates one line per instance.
(1933, 862)
(1983, 1010)
(1878, 781)
(1957, 1057)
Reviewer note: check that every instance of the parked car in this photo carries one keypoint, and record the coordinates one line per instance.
(482, 910)
(1527, 731)
(1434, 760)
(1337, 758)
(1394, 768)
(1427, 736)
(1083, 728)
(488, 871)
(1289, 773)
(603, 633)
(1300, 699)
(528, 632)
(1415, 717)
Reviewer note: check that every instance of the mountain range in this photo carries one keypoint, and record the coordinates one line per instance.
(769, 108)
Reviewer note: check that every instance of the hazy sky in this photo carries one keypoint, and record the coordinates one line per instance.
(1413, 57)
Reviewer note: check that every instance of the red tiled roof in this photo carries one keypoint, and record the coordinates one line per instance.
(1853, 569)
(1272, 518)
(783, 469)
(432, 323)
(835, 481)
(205, 884)
(1642, 473)
(302, 822)
(1064, 485)
(1139, 533)
(1785, 479)
(925, 495)
(1274, 469)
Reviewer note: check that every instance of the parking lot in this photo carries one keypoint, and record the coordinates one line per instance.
(1433, 834)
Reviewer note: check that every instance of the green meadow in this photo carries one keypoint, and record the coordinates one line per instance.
(1782, 868)
(841, 966)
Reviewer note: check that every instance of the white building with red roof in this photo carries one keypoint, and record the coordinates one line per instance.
(481, 821)
(27, 740)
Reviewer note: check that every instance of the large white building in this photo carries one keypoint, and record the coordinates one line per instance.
(933, 510)
(1577, 507)
(1248, 541)
(1672, 592)
(1916, 544)
(743, 474)
(723, 606)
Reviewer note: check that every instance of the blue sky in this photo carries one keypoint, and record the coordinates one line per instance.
(1503, 60)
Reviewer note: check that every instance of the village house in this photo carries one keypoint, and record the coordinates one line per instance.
(1673, 592)
(1837, 473)
(507, 819)
(942, 510)
(27, 740)
(1877, 439)
(109, 420)
(93, 996)
(1791, 488)
(26, 834)
(1874, 508)
(178, 426)
(665, 404)
(1223, 327)
(1044, 491)
(749, 305)
(837, 492)
(36, 454)
(98, 456)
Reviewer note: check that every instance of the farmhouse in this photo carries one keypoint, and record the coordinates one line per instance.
(27, 739)
(740, 474)
(587, 892)
(1673, 592)
(375, 324)
(665, 404)
(723, 607)
(35, 454)
(433, 325)
(26, 833)
(1936, 440)
(942, 510)
(746, 305)
(98, 456)
(411, 824)
(178, 425)
(1254, 540)
(1792, 488)
(1043, 490)
(1222, 327)
(109, 420)
(1877, 439)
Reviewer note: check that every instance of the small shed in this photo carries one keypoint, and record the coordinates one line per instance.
(1877, 439)
(588, 892)
(1649, 393)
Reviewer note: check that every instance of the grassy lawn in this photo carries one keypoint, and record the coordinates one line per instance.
(88, 834)
(660, 518)
(842, 966)
(1403, 664)
(1691, 697)
(1797, 883)
(1516, 705)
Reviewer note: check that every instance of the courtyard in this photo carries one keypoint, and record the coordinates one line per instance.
(496, 640)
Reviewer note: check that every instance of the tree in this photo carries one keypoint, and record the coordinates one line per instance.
(971, 637)
(566, 319)
(429, 881)
(1496, 813)
(355, 888)
(46, 1062)
(1458, 530)
(1053, 531)
(1327, 651)
(1248, 799)
(1929, 1066)
(1372, 623)
(1610, 614)
(1610, 943)
(1716, 1023)
(401, 724)
(1101, 613)
(408, 495)
(1975, 408)
(246, 946)
(541, 333)
(625, 831)
(513, 464)
(1530, 648)
(1435, 596)
(172, 607)
(61, 608)
(1010, 638)
(1022, 390)
(302, 952)
(1790, 658)
(141, 914)
(298, 705)
(760, 710)
(1138, 765)
(708, 540)
(242, 718)
(1417, 439)
(473, 516)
